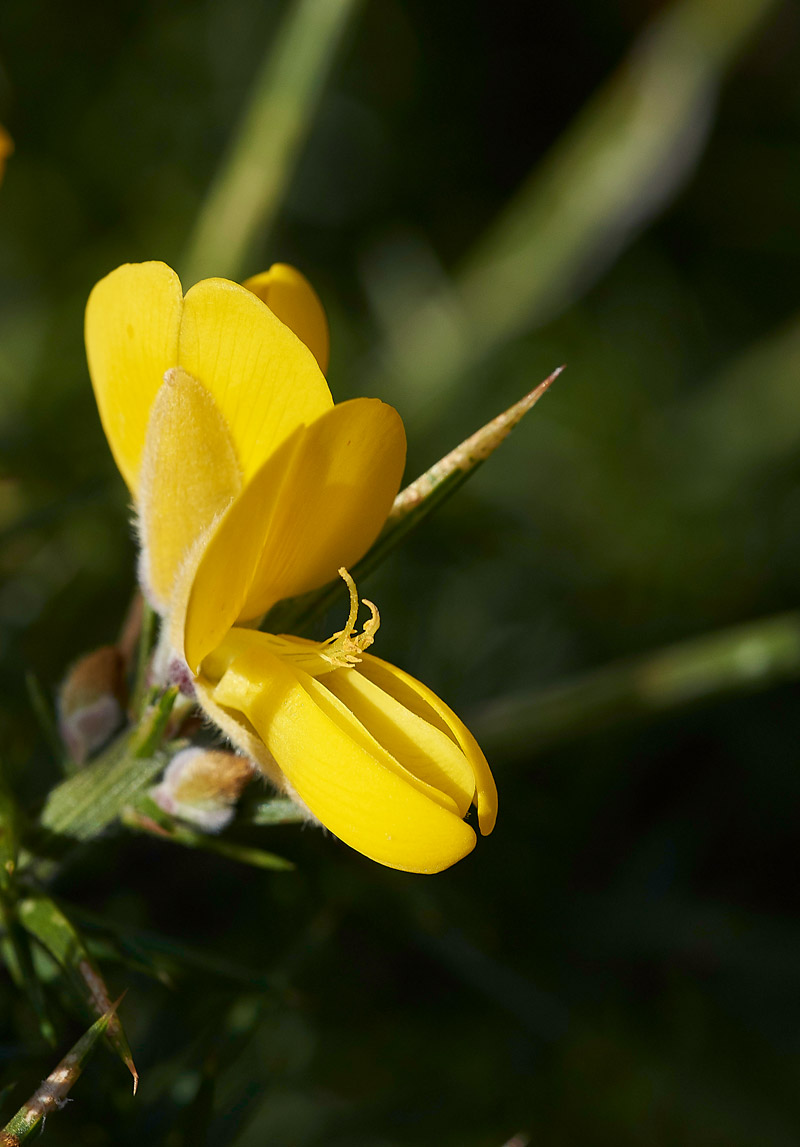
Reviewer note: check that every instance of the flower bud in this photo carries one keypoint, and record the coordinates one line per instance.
(90, 702)
(202, 786)
(6, 148)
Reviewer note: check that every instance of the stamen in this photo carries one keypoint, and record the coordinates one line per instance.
(352, 617)
(344, 648)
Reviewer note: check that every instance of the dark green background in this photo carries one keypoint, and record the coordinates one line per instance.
(618, 963)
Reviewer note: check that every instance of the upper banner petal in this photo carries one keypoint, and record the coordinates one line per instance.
(132, 323)
(265, 382)
(290, 296)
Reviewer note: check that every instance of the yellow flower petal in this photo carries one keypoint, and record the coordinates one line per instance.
(423, 701)
(424, 749)
(132, 323)
(290, 296)
(211, 597)
(352, 787)
(265, 382)
(189, 474)
(344, 478)
(315, 505)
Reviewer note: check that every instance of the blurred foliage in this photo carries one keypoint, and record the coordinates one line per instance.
(617, 963)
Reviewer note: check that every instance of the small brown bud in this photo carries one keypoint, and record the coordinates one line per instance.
(90, 702)
(6, 148)
(202, 786)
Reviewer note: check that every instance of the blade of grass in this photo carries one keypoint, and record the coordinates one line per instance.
(249, 188)
(411, 506)
(150, 819)
(742, 659)
(45, 719)
(45, 921)
(445, 476)
(9, 832)
(743, 423)
(144, 649)
(169, 958)
(17, 948)
(19, 958)
(51, 1094)
(613, 170)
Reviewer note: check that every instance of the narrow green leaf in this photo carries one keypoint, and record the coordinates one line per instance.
(150, 819)
(279, 810)
(411, 506)
(45, 921)
(9, 831)
(149, 732)
(147, 636)
(425, 493)
(45, 718)
(49, 1097)
(754, 398)
(165, 958)
(107, 950)
(744, 658)
(85, 804)
(615, 168)
(19, 958)
(16, 948)
(249, 187)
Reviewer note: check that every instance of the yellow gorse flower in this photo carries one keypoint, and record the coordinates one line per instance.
(250, 486)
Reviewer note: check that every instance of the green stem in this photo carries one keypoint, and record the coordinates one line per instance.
(45, 719)
(166, 828)
(743, 659)
(249, 187)
(144, 652)
(50, 1095)
(21, 958)
(615, 168)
